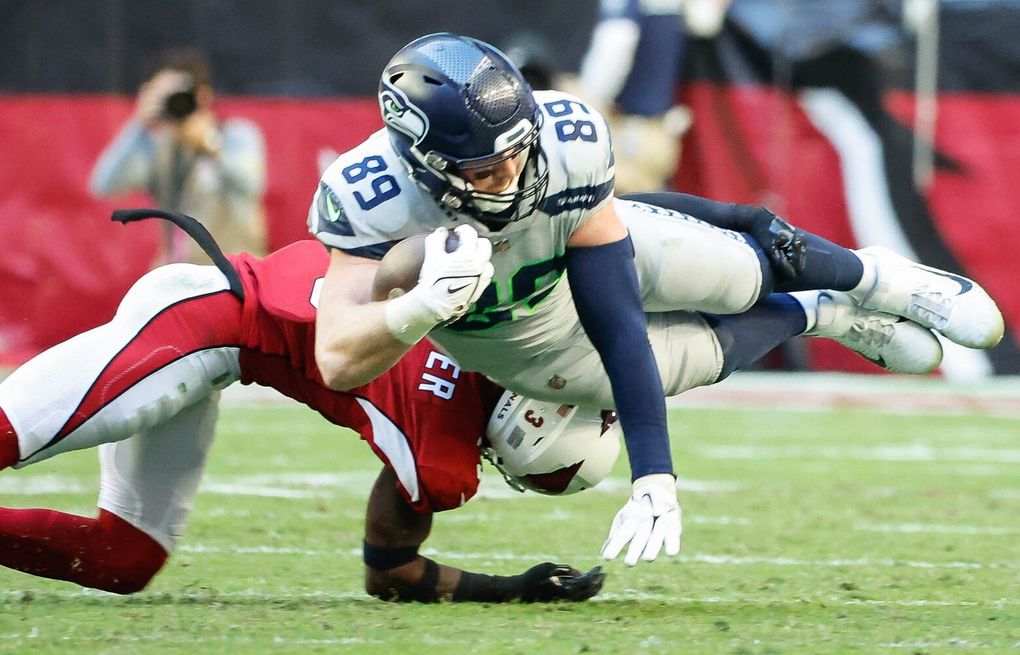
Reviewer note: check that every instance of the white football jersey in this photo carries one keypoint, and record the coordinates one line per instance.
(367, 201)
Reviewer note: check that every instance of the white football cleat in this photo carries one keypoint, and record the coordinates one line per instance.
(951, 304)
(895, 343)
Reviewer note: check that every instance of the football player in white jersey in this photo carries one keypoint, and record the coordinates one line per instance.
(557, 290)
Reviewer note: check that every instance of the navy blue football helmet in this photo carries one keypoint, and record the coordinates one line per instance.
(452, 104)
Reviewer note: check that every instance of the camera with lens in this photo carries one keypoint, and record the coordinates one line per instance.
(180, 103)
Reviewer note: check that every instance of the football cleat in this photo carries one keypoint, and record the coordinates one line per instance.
(895, 343)
(950, 304)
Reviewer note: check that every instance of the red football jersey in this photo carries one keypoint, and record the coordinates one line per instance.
(424, 417)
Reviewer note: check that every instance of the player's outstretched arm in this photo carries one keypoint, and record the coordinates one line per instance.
(605, 287)
(394, 571)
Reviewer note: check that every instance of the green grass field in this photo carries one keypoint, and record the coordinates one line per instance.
(805, 532)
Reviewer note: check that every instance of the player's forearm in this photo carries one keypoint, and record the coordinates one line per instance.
(395, 571)
(125, 164)
(242, 174)
(353, 345)
(608, 300)
(242, 161)
(609, 59)
(425, 581)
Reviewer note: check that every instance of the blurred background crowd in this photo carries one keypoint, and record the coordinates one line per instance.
(893, 122)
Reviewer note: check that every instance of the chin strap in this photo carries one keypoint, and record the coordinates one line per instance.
(196, 231)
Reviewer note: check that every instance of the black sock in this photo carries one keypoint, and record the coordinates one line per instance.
(827, 266)
(745, 338)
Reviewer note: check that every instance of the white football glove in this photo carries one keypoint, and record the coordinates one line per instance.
(448, 284)
(453, 281)
(649, 521)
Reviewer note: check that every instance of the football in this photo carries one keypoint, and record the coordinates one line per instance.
(399, 268)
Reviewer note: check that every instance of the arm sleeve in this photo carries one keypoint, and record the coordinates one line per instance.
(126, 164)
(609, 59)
(604, 283)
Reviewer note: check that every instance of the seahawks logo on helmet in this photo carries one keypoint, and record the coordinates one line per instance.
(401, 115)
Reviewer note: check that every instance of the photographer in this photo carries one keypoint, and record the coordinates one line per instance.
(175, 148)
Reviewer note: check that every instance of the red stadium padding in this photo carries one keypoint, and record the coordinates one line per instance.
(754, 144)
(66, 266)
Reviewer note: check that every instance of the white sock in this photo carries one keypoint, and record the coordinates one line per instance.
(809, 303)
(869, 279)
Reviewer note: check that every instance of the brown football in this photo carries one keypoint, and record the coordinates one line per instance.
(399, 268)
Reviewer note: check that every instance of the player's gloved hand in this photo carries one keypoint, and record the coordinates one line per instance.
(649, 522)
(551, 582)
(452, 281)
(786, 246)
(448, 284)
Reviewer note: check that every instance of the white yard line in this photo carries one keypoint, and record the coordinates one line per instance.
(231, 489)
(700, 558)
(809, 391)
(317, 484)
(312, 484)
(729, 560)
(632, 595)
(931, 528)
(22, 484)
(916, 452)
(163, 638)
(926, 644)
(360, 596)
(886, 393)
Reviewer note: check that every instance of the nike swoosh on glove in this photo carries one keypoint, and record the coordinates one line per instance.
(450, 282)
(650, 521)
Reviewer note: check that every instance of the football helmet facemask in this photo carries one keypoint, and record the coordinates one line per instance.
(453, 104)
(551, 448)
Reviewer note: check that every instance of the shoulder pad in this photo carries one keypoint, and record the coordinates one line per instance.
(577, 144)
(287, 280)
(366, 201)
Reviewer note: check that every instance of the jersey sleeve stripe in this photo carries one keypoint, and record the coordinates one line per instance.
(374, 251)
(585, 197)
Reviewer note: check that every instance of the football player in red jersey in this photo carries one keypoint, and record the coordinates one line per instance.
(144, 388)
